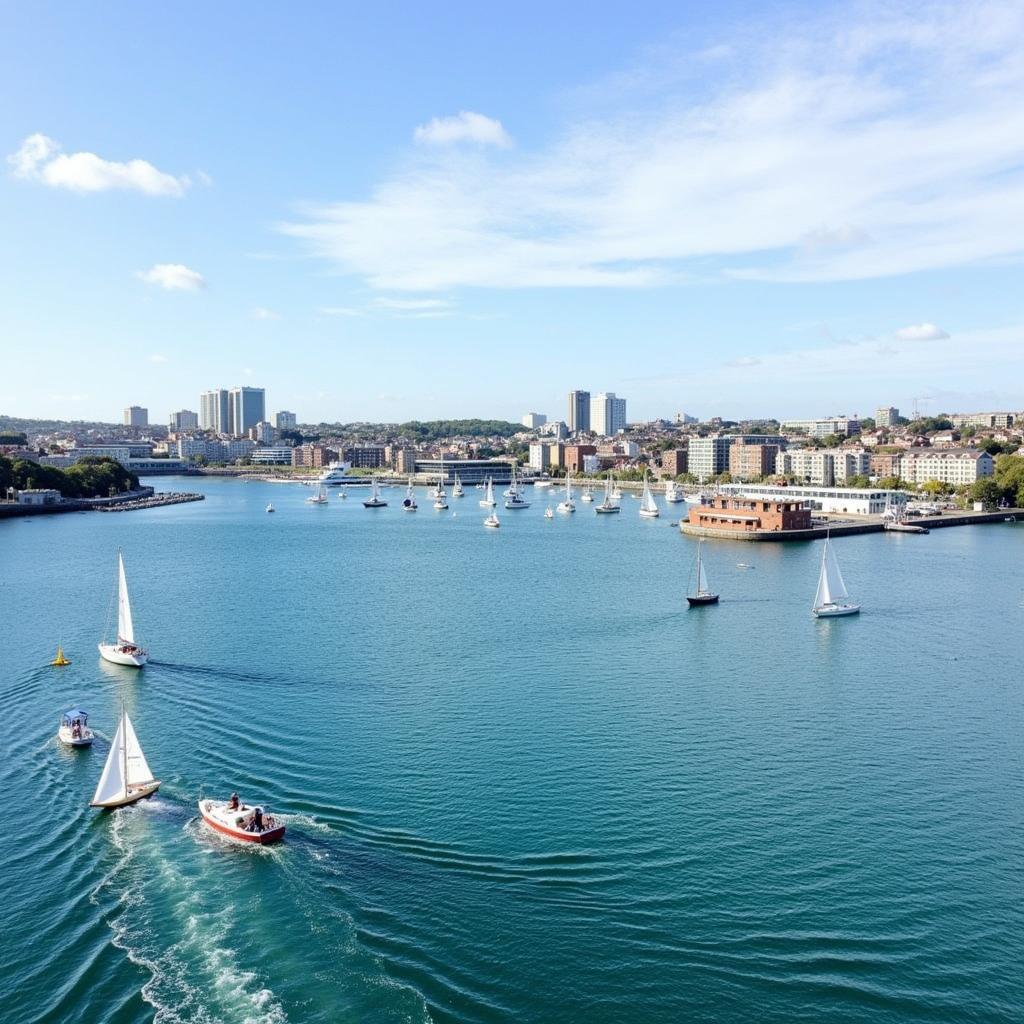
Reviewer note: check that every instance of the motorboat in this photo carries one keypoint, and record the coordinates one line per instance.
(74, 728)
(245, 823)
(492, 521)
(831, 598)
(703, 593)
(126, 775)
(124, 651)
(375, 500)
(673, 494)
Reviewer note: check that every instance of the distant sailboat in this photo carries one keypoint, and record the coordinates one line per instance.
(409, 503)
(270, 508)
(673, 494)
(492, 521)
(831, 599)
(514, 498)
(374, 500)
(704, 594)
(568, 505)
(487, 501)
(549, 513)
(610, 503)
(457, 491)
(126, 775)
(124, 651)
(320, 498)
(648, 506)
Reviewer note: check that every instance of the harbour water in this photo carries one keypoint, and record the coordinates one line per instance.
(522, 781)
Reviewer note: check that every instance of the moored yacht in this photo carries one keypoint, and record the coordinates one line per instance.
(487, 501)
(492, 521)
(610, 503)
(567, 505)
(409, 502)
(703, 594)
(320, 498)
(513, 499)
(673, 494)
(457, 490)
(374, 500)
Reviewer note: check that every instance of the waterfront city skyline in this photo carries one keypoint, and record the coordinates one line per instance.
(720, 213)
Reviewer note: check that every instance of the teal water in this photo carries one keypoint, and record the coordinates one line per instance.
(522, 782)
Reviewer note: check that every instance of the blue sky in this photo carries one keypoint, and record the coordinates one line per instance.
(390, 211)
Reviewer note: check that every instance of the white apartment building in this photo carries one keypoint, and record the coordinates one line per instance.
(533, 420)
(887, 417)
(136, 416)
(285, 420)
(998, 420)
(607, 414)
(956, 466)
(539, 457)
(845, 426)
(272, 456)
(184, 419)
(823, 466)
(213, 411)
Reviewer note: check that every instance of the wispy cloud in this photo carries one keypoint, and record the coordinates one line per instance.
(744, 361)
(173, 277)
(340, 311)
(262, 313)
(465, 126)
(157, 358)
(921, 332)
(887, 143)
(40, 159)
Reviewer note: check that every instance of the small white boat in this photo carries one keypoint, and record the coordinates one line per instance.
(648, 506)
(831, 599)
(374, 500)
(492, 521)
(513, 499)
(125, 651)
(567, 506)
(588, 494)
(617, 492)
(549, 513)
(126, 775)
(457, 491)
(343, 492)
(610, 503)
(487, 501)
(538, 484)
(441, 503)
(320, 498)
(270, 508)
(242, 822)
(673, 494)
(74, 728)
(409, 502)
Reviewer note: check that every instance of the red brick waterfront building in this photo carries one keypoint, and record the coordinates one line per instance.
(743, 515)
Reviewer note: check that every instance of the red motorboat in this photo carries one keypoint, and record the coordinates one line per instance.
(245, 823)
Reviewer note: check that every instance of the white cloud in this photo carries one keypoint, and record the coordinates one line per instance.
(465, 126)
(744, 361)
(262, 313)
(157, 358)
(921, 332)
(340, 311)
(173, 277)
(40, 159)
(888, 144)
(248, 371)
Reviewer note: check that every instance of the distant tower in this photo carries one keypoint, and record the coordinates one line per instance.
(579, 412)
(136, 416)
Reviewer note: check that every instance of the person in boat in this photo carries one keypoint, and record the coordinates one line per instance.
(233, 802)
(257, 820)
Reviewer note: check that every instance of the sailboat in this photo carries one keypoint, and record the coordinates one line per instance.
(126, 775)
(124, 651)
(492, 520)
(648, 506)
(440, 498)
(409, 504)
(457, 491)
(549, 513)
(487, 501)
(617, 492)
(320, 498)
(703, 594)
(374, 500)
(343, 492)
(610, 503)
(514, 498)
(673, 494)
(588, 493)
(568, 505)
(831, 598)
(270, 507)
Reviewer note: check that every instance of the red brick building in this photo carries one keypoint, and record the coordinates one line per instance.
(885, 465)
(752, 461)
(674, 462)
(572, 456)
(744, 515)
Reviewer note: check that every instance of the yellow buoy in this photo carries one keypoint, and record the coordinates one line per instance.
(60, 659)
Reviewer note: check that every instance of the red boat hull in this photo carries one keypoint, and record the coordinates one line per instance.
(274, 835)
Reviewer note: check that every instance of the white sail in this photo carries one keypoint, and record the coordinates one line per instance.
(376, 491)
(138, 770)
(125, 629)
(648, 504)
(836, 586)
(568, 487)
(490, 490)
(112, 784)
(702, 580)
(608, 485)
(408, 490)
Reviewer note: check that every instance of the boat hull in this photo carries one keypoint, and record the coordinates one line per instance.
(220, 820)
(118, 656)
(702, 599)
(135, 794)
(375, 504)
(519, 504)
(602, 511)
(835, 611)
(648, 514)
(85, 740)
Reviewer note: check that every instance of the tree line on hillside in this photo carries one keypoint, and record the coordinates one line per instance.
(413, 430)
(92, 477)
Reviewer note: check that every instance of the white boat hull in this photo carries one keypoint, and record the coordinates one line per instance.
(134, 794)
(84, 740)
(116, 654)
(231, 823)
(518, 504)
(566, 506)
(834, 611)
(649, 513)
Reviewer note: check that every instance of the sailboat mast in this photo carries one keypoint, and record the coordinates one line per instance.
(124, 752)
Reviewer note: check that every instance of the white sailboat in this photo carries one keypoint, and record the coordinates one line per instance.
(673, 493)
(831, 599)
(704, 594)
(270, 507)
(492, 520)
(320, 498)
(457, 491)
(487, 501)
(409, 504)
(648, 506)
(588, 493)
(126, 775)
(549, 513)
(513, 498)
(616, 491)
(610, 503)
(374, 500)
(568, 505)
(125, 651)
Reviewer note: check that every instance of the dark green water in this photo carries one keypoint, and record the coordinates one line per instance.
(522, 781)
